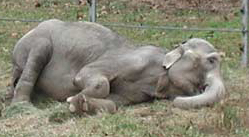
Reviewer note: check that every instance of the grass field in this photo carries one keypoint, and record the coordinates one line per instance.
(157, 119)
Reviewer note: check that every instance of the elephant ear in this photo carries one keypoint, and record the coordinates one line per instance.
(171, 57)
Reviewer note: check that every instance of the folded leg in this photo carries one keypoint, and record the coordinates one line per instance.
(37, 58)
(95, 86)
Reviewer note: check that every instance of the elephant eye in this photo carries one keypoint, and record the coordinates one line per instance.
(212, 60)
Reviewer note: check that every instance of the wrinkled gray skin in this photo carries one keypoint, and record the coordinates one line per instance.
(95, 69)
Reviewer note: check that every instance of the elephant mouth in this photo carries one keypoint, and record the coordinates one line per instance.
(201, 88)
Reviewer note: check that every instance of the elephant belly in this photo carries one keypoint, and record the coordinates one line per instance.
(125, 92)
(57, 82)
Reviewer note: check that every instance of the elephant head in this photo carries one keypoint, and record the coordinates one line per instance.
(195, 66)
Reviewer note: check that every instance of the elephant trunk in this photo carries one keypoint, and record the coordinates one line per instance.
(214, 92)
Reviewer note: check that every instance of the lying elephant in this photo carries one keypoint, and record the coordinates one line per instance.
(95, 69)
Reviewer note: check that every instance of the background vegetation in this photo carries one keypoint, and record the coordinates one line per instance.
(157, 119)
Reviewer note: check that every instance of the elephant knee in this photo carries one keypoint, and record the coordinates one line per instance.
(101, 87)
(95, 86)
(77, 81)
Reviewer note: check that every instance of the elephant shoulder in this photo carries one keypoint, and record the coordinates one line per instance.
(152, 53)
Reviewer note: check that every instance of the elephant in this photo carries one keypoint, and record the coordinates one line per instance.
(95, 69)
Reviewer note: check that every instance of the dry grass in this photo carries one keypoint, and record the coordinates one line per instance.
(228, 118)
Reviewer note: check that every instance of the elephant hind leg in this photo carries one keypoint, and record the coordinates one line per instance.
(37, 58)
(82, 104)
(16, 74)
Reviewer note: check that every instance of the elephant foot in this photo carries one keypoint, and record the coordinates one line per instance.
(82, 104)
(20, 98)
(78, 104)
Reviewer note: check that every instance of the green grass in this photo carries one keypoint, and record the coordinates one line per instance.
(157, 119)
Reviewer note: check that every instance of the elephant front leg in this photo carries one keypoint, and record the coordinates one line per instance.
(94, 86)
